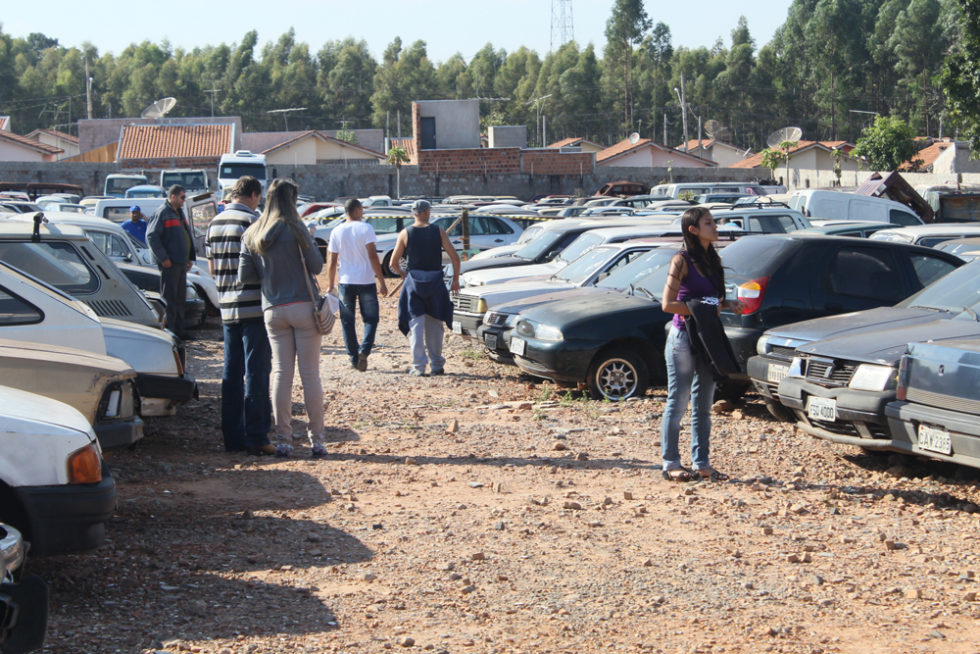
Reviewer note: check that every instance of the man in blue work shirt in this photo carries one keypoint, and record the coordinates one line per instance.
(136, 225)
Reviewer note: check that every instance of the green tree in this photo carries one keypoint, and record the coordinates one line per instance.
(959, 79)
(625, 30)
(396, 157)
(918, 44)
(887, 144)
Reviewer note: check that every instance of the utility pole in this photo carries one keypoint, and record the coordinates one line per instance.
(88, 91)
(537, 121)
(212, 93)
(665, 128)
(680, 97)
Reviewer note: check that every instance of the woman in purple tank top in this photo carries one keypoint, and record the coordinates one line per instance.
(695, 272)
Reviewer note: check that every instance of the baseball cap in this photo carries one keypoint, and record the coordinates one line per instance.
(420, 205)
(133, 208)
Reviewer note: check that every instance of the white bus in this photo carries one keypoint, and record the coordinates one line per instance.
(234, 165)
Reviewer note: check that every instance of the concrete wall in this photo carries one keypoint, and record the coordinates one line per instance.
(508, 136)
(330, 181)
(457, 122)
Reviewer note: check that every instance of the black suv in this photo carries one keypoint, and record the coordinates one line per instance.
(788, 278)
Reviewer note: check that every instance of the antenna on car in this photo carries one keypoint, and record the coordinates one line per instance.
(160, 108)
(38, 219)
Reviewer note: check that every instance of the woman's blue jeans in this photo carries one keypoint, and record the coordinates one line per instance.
(688, 380)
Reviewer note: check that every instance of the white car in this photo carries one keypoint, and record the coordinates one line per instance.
(53, 487)
(927, 235)
(36, 312)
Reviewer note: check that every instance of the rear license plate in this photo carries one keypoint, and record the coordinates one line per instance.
(517, 346)
(490, 340)
(776, 372)
(821, 408)
(935, 439)
(457, 327)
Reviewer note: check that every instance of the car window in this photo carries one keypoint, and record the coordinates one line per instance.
(495, 226)
(786, 223)
(110, 244)
(585, 242)
(933, 241)
(583, 267)
(958, 289)
(903, 218)
(57, 263)
(385, 225)
(929, 269)
(867, 273)
(16, 311)
(753, 256)
(638, 268)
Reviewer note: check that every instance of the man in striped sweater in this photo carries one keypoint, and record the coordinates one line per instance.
(246, 410)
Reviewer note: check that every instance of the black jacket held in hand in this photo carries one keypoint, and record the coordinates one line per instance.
(708, 338)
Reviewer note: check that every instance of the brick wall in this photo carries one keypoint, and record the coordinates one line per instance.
(542, 162)
(481, 161)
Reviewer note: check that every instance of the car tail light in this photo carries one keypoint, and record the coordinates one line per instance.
(901, 391)
(180, 364)
(85, 466)
(751, 293)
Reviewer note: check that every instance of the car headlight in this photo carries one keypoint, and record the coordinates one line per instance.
(768, 341)
(491, 318)
(761, 345)
(531, 329)
(481, 306)
(871, 377)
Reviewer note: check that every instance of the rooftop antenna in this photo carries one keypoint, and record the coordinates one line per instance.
(284, 112)
(159, 109)
(782, 135)
(562, 27)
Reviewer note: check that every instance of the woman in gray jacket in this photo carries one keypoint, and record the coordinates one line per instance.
(271, 255)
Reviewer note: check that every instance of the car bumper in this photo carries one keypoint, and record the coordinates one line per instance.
(175, 388)
(466, 323)
(496, 338)
(562, 361)
(904, 419)
(765, 373)
(860, 414)
(119, 433)
(68, 517)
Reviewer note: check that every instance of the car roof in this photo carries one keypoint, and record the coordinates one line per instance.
(16, 230)
(935, 228)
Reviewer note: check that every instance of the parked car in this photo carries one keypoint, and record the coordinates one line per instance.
(936, 413)
(506, 250)
(967, 249)
(928, 235)
(145, 191)
(498, 322)
(63, 256)
(595, 264)
(37, 312)
(760, 219)
(148, 281)
(844, 369)
(23, 598)
(116, 183)
(855, 228)
(786, 278)
(689, 190)
(622, 188)
(53, 486)
(838, 205)
(19, 206)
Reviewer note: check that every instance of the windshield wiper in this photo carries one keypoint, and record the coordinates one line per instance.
(647, 293)
(939, 309)
(972, 313)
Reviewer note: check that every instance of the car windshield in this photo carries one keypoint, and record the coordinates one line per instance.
(638, 269)
(120, 185)
(236, 170)
(57, 263)
(582, 268)
(954, 292)
(529, 233)
(585, 242)
(538, 245)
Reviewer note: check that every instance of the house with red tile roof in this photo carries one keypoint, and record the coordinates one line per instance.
(173, 145)
(724, 154)
(924, 160)
(317, 147)
(811, 165)
(644, 153)
(14, 147)
(583, 145)
(58, 139)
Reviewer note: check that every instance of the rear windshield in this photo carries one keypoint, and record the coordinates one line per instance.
(752, 256)
(538, 245)
(585, 242)
(954, 292)
(57, 263)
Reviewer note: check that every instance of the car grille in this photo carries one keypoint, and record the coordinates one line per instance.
(843, 428)
(466, 303)
(828, 372)
(495, 319)
(782, 352)
(942, 401)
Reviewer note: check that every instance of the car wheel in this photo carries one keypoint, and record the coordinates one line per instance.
(322, 247)
(617, 375)
(386, 266)
(730, 390)
(209, 309)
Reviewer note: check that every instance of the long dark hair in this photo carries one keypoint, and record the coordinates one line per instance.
(706, 260)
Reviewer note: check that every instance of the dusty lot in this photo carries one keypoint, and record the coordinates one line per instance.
(483, 512)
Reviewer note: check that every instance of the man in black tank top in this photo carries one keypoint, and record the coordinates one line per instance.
(424, 304)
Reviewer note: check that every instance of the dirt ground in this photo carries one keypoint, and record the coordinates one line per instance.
(487, 512)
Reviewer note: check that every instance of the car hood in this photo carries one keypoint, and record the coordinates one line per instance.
(568, 294)
(886, 346)
(492, 262)
(499, 275)
(583, 309)
(23, 411)
(497, 252)
(856, 321)
(499, 293)
(147, 350)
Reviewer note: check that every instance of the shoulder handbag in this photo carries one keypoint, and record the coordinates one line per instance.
(324, 306)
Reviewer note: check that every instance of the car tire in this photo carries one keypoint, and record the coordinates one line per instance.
(321, 245)
(730, 390)
(779, 412)
(617, 374)
(386, 266)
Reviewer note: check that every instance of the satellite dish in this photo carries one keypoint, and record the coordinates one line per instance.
(716, 130)
(784, 134)
(159, 109)
(635, 138)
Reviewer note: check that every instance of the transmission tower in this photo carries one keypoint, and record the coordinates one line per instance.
(562, 26)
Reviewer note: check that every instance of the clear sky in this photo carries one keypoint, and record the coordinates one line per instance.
(447, 26)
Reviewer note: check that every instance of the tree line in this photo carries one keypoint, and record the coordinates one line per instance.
(829, 68)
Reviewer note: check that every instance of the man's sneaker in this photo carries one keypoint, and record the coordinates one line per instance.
(283, 451)
(318, 451)
(436, 373)
(362, 362)
(417, 373)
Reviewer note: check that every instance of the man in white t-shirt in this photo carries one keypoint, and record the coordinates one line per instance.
(352, 250)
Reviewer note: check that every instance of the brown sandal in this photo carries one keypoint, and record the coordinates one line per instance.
(710, 474)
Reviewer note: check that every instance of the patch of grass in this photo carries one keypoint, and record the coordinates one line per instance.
(546, 394)
(471, 354)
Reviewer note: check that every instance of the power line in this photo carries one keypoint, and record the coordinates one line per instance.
(562, 25)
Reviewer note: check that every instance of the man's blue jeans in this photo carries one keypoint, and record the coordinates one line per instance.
(246, 409)
(367, 296)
